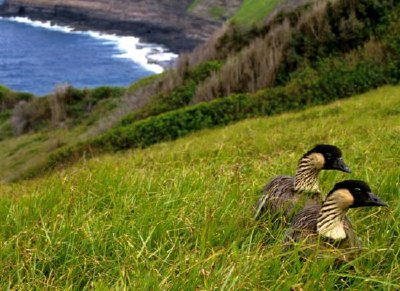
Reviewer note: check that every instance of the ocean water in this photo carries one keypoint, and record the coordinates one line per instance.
(36, 56)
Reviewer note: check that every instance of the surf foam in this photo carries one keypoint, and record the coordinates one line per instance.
(147, 55)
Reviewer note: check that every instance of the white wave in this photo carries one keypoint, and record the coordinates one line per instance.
(146, 55)
(42, 24)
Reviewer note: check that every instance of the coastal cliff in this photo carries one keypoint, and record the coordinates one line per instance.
(178, 24)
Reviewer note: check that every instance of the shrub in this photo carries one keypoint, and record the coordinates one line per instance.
(9, 98)
(66, 104)
(265, 56)
(80, 102)
(31, 115)
(57, 104)
(179, 97)
(105, 92)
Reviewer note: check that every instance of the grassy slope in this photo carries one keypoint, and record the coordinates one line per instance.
(179, 214)
(29, 151)
(253, 11)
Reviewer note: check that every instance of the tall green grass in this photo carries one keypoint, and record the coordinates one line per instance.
(178, 215)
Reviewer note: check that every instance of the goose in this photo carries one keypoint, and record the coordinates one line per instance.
(282, 193)
(328, 223)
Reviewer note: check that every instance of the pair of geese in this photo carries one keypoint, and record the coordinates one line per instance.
(318, 221)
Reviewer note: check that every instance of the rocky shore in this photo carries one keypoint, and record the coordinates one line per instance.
(170, 23)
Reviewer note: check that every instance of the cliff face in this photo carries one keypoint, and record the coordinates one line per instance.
(179, 24)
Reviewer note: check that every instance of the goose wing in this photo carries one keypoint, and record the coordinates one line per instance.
(277, 196)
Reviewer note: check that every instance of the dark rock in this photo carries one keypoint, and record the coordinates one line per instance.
(156, 21)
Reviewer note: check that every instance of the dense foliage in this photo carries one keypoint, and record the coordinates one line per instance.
(65, 105)
(9, 98)
(179, 97)
(292, 39)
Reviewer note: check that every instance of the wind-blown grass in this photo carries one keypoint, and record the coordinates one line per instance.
(178, 215)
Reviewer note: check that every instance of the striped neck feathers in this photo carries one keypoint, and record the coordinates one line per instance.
(332, 213)
(306, 178)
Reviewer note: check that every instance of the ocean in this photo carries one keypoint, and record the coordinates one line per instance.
(37, 56)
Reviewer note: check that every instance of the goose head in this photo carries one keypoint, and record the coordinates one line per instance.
(353, 194)
(344, 195)
(328, 157)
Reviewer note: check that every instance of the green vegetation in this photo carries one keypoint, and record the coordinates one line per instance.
(253, 11)
(9, 98)
(303, 56)
(215, 10)
(42, 125)
(179, 97)
(30, 151)
(194, 4)
(178, 215)
(296, 39)
(331, 80)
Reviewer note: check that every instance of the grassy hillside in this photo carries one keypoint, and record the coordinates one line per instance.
(178, 215)
(214, 9)
(253, 11)
(302, 56)
(31, 128)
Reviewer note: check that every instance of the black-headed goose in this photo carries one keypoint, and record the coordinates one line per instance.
(327, 223)
(283, 193)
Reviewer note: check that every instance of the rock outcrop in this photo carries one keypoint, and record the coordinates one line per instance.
(178, 24)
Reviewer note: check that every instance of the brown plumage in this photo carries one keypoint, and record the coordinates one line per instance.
(283, 195)
(279, 197)
(304, 229)
(327, 225)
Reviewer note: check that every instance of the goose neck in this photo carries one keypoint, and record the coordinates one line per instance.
(306, 178)
(330, 220)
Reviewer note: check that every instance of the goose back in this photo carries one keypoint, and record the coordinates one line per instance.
(279, 197)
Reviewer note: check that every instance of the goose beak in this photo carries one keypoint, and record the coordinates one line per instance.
(339, 164)
(374, 200)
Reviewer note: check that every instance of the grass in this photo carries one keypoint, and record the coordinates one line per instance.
(178, 215)
(214, 9)
(27, 152)
(30, 151)
(253, 11)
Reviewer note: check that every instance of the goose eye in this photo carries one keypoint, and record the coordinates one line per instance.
(328, 156)
(357, 190)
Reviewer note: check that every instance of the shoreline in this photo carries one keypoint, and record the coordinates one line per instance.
(171, 37)
(151, 56)
(23, 72)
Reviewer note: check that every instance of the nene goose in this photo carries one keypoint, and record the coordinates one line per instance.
(282, 193)
(328, 225)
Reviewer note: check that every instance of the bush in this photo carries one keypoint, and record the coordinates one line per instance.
(57, 104)
(66, 104)
(80, 103)
(105, 92)
(181, 96)
(267, 55)
(9, 98)
(29, 116)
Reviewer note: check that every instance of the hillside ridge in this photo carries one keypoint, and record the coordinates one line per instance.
(223, 81)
